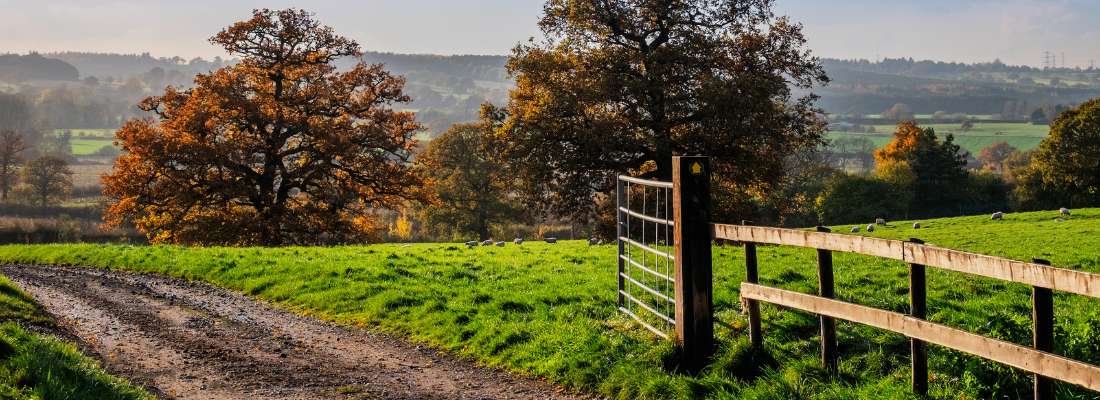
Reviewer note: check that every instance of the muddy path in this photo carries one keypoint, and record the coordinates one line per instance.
(185, 340)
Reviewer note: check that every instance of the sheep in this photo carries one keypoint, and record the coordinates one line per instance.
(871, 228)
(500, 244)
(880, 221)
(407, 245)
(487, 242)
(518, 241)
(996, 215)
(916, 225)
(471, 243)
(1063, 211)
(592, 241)
(600, 243)
(551, 240)
(855, 229)
(1058, 220)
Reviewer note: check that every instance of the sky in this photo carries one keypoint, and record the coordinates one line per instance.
(1017, 32)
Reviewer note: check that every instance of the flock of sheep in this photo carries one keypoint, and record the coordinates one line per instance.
(472, 243)
(916, 225)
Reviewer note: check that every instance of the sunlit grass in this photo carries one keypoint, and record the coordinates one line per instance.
(550, 310)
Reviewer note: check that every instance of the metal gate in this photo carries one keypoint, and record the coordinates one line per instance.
(646, 270)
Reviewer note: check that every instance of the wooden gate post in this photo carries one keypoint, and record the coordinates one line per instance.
(918, 297)
(691, 212)
(752, 276)
(825, 289)
(1042, 317)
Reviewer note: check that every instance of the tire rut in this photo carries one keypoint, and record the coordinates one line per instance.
(185, 340)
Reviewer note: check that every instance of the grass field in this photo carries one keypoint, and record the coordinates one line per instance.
(37, 367)
(549, 310)
(1021, 136)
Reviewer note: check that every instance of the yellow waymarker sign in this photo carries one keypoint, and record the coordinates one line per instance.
(696, 168)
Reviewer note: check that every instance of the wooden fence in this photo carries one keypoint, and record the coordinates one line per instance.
(694, 319)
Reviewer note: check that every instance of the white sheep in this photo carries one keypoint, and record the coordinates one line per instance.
(871, 228)
(471, 243)
(996, 215)
(518, 241)
(487, 242)
(916, 225)
(500, 244)
(1063, 211)
(592, 241)
(880, 221)
(551, 240)
(855, 229)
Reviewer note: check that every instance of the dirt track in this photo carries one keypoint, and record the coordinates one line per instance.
(191, 341)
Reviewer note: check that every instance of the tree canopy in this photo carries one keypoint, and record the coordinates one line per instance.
(471, 190)
(1066, 169)
(620, 87)
(279, 148)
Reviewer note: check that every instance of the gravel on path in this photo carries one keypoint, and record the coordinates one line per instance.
(186, 340)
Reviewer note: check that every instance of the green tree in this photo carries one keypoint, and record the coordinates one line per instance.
(940, 171)
(471, 190)
(47, 180)
(854, 199)
(1066, 168)
(621, 87)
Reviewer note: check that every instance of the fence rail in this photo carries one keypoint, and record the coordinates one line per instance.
(1012, 354)
(1034, 274)
(1043, 278)
(680, 296)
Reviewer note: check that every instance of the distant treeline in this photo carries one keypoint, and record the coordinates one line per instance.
(903, 66)
(15, 68)
(482, 68)
(124, 65)
(872, 92)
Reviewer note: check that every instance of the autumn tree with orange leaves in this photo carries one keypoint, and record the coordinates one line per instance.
(278, 149)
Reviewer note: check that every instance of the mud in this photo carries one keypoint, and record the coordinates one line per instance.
(184, 340)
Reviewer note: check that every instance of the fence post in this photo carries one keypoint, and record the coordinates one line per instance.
(691, 211)
(828, 324)
(620, 202)
(752, 276)
(918, 297)
(1042, 316)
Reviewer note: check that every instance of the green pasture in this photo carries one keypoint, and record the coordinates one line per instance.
(549, 310)
(1021, 136)
(38, 367)
(88, 146)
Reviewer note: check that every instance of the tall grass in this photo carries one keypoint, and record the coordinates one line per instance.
(549, 310)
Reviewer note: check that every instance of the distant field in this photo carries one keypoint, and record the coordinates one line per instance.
(1021, 136)
(88, 146)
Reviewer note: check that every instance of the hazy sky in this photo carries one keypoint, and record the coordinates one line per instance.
(1016, 31)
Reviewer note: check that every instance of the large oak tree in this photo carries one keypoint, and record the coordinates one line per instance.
(622, 86)
(280, 148)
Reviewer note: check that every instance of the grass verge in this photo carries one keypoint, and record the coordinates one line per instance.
(39, 367)
(549, 310)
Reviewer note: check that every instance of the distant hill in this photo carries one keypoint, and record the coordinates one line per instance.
(480, 68)
(124, 65)
(34, 66)
(926, 86)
